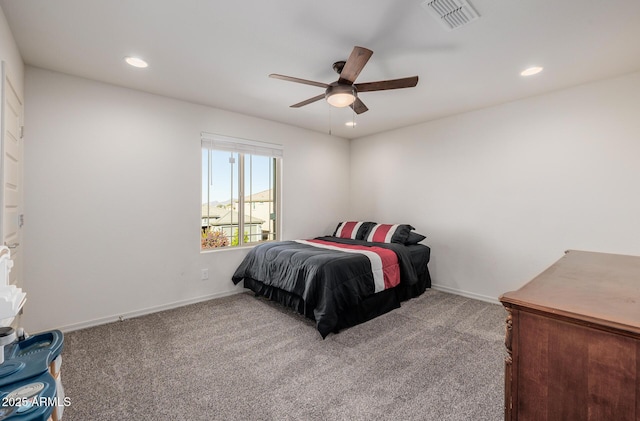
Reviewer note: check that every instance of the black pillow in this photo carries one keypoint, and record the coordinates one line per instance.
(414, 238)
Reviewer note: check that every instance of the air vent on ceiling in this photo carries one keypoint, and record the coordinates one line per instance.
(451, 13)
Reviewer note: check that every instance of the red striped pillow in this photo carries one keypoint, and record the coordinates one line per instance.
(356, 230)
(389, 233)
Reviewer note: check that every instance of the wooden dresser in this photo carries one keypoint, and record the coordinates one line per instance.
(573, 341)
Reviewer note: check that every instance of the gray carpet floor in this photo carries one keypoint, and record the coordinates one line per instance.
(438, 357)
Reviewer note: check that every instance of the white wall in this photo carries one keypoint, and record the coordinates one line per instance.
(502, 192)
(112, 198)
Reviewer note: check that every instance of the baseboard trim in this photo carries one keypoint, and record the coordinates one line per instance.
(143, 312)
(467, 294)
(176, 304)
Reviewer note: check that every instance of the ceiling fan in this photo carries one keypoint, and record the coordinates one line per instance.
(344, 91)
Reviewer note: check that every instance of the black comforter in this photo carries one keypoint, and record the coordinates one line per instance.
(328, 281)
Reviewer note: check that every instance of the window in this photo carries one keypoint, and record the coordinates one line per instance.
(240, 193)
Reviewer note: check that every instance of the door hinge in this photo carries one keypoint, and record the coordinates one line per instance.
(21, 132)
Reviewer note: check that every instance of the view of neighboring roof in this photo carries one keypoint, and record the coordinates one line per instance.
(216, 209)
(263, 196)
(212, 211)
(231, 218)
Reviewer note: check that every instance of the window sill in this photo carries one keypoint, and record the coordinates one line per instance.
(221, 249)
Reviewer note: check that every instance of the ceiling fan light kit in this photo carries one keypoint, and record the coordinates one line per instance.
(340, 96)
(344, 91)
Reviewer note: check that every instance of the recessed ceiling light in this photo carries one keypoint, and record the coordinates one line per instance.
(531, 71)
(350, 124)
(136, 62)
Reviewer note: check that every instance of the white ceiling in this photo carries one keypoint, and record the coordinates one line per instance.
(220, 53)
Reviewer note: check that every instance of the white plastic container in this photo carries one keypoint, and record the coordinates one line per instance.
(12, 298)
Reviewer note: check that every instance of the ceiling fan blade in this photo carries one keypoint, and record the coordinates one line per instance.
(308, 101)
(358, 106)
(354, 65)
(407, 82)
(298, 80)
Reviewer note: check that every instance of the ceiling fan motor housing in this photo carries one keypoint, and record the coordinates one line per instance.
(338, 66)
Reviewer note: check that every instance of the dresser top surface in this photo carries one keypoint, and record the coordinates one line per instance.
(594, 287)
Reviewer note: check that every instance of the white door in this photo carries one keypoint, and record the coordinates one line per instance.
(12, 174)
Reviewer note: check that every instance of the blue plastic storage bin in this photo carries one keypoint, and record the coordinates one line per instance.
(32, 399)
(25, 377)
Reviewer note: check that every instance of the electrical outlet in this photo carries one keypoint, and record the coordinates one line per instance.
(205, 274)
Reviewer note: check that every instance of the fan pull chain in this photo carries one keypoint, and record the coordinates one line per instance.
(353, 117)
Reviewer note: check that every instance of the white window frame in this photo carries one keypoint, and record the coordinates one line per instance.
(249, 147)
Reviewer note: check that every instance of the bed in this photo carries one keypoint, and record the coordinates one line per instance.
(340, 280)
